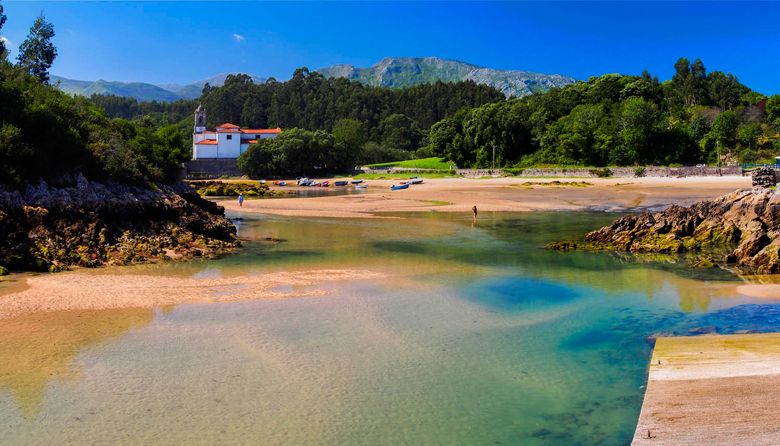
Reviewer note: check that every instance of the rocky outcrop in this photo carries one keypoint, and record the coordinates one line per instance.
(741, 230)
(83, 223)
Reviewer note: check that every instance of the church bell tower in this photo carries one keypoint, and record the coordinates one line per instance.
(200, 119)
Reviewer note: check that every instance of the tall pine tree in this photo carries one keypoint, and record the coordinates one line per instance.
(37, 52)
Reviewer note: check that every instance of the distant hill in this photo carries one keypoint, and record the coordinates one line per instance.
(140, 90)
(407, 71)
(389, 72)
(193, 90)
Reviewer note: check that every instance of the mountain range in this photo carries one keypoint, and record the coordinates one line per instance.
(407, 71)
(392, 72)
(140, 90)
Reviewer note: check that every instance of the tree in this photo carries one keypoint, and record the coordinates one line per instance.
(638, 121)
(724, 132)
(348, 136)
(725, 90)
(772, 109)
(37, 52)
(3, 49)
(261, 160)
(398, 131)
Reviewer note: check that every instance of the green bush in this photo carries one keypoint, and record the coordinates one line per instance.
(603, 172)
(639, 171)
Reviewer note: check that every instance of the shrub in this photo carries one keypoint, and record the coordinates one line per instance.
(639, 171)
(603, 172)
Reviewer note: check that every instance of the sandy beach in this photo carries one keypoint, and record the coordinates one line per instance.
(501, 195)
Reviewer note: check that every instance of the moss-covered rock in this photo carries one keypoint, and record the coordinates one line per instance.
(232, 189)
(93, 224)
(741, 229)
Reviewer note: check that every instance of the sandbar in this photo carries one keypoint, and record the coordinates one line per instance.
(101, 290)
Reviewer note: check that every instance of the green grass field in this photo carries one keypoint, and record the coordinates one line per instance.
(422, 163)
(406, 175)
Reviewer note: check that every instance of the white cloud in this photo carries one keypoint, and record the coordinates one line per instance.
(238, 37)
(7, 42)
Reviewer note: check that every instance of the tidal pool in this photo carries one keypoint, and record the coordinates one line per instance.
(477, 335)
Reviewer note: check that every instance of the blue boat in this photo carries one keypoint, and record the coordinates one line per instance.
(356, 181)
(399, 186)
(341, 183)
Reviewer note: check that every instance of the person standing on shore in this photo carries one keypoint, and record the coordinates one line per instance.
(474, 210)
(240, 200)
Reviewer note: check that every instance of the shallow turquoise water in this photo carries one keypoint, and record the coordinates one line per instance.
(477, 335)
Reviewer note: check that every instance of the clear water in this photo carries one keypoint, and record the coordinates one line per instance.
(477, 335)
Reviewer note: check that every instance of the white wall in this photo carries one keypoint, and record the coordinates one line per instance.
(229, 148)
(204, 151)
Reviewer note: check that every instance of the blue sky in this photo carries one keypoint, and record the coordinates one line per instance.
(180, 42)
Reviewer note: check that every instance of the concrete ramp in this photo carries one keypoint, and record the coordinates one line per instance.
(712, 390)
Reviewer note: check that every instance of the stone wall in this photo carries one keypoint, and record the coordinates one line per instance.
(764, 177)
(205, 169)
(578, 172)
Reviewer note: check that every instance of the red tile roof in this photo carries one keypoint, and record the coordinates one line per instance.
(207, 142)
(248, 141)
(262, 131)
(227, 125)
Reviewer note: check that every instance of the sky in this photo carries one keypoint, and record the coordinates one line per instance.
(181, 42)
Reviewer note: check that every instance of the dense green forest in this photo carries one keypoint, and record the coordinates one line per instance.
(48, 135)
(393, 122)
(696, 117)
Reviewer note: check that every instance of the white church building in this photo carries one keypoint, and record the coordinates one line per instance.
(227, 141)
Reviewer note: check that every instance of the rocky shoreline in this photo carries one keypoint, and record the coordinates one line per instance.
(740, 230)
(89, 224)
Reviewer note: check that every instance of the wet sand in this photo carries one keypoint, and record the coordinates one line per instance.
(760, 291)
(101, 290)
(501, 194)
(712, 390)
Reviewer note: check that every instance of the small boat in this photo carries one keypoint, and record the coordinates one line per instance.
(416, 180)
(341, 183)
(399, 186)
(356, 181)
(315, 184)
(361, 186)
(325, 184)
(406, 182)
(280, 183)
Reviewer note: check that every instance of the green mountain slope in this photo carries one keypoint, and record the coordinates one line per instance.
(139, 90)
(407, 71)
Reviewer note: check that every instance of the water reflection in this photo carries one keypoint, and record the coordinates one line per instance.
(39, 348)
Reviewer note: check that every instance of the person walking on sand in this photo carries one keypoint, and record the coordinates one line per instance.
(240, 200)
